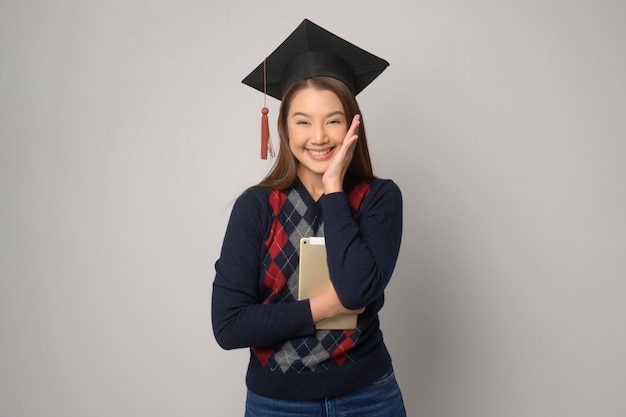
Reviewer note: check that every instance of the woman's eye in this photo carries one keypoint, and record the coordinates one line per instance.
(334, 122)
(302, 122)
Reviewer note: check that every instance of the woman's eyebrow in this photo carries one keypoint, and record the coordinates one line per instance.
(334, 113)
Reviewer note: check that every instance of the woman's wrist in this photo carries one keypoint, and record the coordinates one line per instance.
(320, 308)
(333, 187)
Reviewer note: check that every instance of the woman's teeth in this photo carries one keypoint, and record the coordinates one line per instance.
(319, 153)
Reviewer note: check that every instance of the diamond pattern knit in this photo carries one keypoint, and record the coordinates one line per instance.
(295, 216)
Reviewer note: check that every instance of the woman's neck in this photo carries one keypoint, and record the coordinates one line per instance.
(313, 184)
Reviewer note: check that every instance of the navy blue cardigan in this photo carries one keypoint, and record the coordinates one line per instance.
(254, 301)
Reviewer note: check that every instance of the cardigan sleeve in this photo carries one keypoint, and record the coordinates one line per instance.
(362, 253)
(239, 319)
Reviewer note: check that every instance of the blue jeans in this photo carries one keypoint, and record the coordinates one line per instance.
(381, 399)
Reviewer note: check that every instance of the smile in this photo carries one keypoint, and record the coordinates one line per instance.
(320, 153)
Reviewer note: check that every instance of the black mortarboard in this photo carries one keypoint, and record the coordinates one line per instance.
(311, 51)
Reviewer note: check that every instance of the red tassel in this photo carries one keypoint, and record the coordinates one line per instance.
(266, 143)
(265, 133)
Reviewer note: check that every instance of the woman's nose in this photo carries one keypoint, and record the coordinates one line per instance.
(319, 135)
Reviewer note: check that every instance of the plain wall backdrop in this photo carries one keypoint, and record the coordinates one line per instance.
(126, 135)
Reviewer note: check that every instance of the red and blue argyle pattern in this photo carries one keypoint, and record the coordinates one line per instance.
(296, 215)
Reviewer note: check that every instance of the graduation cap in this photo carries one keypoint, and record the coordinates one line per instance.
(312, 51)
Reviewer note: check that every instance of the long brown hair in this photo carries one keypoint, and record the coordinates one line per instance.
(284, 171)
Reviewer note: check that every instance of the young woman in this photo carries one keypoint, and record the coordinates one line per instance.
(322, 184)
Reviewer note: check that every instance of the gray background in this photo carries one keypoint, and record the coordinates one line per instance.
(126, 135)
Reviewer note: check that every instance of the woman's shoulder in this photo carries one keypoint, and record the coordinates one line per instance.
(252, 207)
(379, 185)
(384, 183)
(255, 195)
(256, 191)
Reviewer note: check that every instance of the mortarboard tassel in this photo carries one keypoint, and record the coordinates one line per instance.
(266, 143)
(265, 133)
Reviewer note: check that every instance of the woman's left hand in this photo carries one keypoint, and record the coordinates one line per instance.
(336, 171)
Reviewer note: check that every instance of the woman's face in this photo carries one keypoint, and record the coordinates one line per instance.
(316, 125)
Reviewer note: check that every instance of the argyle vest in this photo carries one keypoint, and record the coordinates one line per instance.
(292, 220)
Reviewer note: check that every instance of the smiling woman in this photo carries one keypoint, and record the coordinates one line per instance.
(321, 185)
(316, 128)
(339, 101)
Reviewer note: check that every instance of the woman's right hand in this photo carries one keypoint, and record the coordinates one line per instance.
(327, 305)
(332, 180)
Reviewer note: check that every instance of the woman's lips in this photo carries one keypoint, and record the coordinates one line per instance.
(320, 154)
